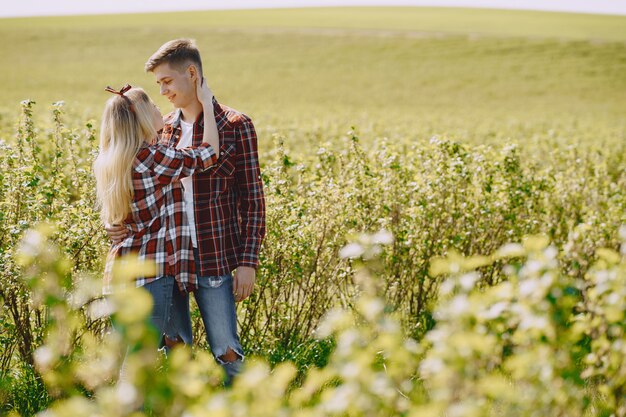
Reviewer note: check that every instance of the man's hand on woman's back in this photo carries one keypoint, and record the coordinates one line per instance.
(116, 232)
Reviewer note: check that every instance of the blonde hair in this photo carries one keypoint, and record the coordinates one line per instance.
(124, 129)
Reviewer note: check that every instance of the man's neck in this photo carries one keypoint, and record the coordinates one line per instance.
(191, 112)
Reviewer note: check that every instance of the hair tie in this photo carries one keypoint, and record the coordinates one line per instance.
(121, 93)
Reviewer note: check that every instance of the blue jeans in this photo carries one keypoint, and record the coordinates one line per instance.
(216, 303)
(163, 290)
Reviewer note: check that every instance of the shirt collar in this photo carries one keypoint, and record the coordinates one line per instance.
(220, 117)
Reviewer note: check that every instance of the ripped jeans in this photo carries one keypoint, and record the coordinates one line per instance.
(216, 303)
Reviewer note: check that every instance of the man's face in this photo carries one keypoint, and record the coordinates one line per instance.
(177, 86)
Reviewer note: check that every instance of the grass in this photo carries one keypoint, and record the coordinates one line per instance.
(416, 71)
(411, 19)
(23, 391)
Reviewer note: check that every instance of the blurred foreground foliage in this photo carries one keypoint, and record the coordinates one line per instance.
(538, 343)
(419, 326)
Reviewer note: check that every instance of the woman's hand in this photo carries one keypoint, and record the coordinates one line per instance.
(204, 93)
(210, 134)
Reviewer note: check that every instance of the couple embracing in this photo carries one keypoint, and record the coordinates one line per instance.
(183, 191)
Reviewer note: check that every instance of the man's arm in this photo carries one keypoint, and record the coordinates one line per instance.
(251, 209)
(250, 197)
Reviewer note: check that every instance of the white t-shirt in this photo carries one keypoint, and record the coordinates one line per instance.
(187, 182)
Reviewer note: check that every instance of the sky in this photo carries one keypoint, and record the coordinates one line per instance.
(11, 8)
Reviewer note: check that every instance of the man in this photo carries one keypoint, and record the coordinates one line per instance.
(225, 206)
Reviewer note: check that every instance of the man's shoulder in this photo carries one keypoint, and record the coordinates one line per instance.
(234, 117)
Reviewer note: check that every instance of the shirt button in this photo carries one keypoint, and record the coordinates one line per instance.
(222, 153)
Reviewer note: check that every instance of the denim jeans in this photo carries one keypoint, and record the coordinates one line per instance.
(163, 290)
(216, 303)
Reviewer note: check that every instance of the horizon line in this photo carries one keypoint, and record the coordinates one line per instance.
(160, 10)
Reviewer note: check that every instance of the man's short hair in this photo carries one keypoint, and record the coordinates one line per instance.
(177, 53)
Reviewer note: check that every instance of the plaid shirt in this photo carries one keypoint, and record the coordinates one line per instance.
(229, 205)
(159, 230)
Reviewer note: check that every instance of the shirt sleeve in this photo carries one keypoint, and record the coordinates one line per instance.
(171, 164)
(250, 197)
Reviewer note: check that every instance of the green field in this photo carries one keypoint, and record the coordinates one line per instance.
(418, 70)
(449, 183)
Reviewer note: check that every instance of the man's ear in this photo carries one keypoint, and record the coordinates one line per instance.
(193, 72)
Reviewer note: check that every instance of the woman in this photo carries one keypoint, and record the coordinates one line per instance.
(137, 182)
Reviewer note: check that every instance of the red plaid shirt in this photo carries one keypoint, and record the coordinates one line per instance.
(229, 205)
(159, 230)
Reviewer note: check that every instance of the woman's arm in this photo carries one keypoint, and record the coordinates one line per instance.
(205, 97)
(171, 164)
